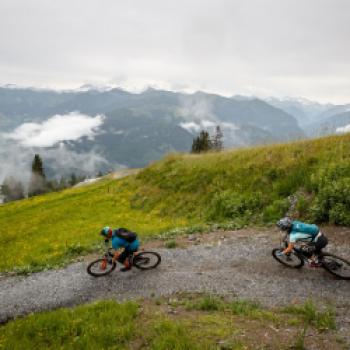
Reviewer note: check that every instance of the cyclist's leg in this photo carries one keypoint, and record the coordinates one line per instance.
(126, 258)
(123, 255)
(321, 242)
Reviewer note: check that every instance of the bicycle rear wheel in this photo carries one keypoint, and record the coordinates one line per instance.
(146, 260)
(336, 265)
(291, 260)
(100, 267)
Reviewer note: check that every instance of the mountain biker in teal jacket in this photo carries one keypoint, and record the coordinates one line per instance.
(299, 231)
(122, 238)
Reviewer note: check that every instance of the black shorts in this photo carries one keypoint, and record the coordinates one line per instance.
(321, 242)
(125, 254)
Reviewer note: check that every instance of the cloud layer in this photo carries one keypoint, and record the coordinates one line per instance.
(270, 47)
(343, 129)
(17, 148)
(70, 127)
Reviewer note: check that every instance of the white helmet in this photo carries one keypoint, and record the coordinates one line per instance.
(285, 223)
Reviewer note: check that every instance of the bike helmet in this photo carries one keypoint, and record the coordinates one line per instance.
(285, 223)
(106, 232)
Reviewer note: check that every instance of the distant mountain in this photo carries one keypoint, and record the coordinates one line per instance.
(140, 128)
(334, 124)
(334, 110)
(305, 111)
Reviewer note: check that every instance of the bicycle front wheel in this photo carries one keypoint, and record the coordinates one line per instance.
(291, 260)
(336, 265)
(146, 260)
(100, 267)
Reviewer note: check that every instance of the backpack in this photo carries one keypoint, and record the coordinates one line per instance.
(125, 234)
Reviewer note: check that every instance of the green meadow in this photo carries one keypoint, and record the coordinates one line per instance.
(181, 322)
(182, 193)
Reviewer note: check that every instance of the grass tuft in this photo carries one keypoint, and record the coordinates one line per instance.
(322, 320)
(206, 303)
(244, 307)
(170, 244)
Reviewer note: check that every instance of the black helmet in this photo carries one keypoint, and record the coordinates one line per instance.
(285, 223)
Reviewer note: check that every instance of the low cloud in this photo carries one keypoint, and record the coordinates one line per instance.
(62, 158)
(343, 129)
(208, 124)
(51, 140)
(58, 161)
(229, 126)
(69, 127)
(191, 127)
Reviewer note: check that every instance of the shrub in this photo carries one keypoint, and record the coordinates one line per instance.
(229, 204)
(333, 201)
(276, 210)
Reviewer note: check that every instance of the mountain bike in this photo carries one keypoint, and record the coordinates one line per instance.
(301, 254)
(142, 260)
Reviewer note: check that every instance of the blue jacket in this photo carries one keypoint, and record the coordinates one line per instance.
(118, 242)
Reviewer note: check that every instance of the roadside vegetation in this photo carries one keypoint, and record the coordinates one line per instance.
(181, 322)
(181, 194)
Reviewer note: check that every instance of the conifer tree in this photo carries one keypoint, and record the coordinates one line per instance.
(73, 179)
(202, 143)
(217, 139)
(37, 184)
(195, 145)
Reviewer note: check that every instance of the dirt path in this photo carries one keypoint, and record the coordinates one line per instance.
(239, 265)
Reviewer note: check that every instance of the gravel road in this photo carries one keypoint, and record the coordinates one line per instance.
(239, 265)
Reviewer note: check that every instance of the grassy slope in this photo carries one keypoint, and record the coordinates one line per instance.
(185, 322)
(246, 186)
(47, 230)
(251, 182)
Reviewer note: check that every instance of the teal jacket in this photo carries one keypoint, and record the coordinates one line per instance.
(303, 232)
(118, 242)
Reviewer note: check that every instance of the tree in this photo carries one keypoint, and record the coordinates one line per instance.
(12, 189)
(73, 179)
(217, 139)
(195, 145)
(202, 143)
(37, 184)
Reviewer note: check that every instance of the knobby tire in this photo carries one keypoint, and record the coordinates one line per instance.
(331, 270)
(140, 260)
(109, 269)
(284, 262)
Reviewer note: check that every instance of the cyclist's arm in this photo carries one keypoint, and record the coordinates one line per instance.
(292, 240)
(116, 245)
(289, 248)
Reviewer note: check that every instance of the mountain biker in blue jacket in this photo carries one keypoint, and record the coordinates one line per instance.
(299, 231)
(122, 238)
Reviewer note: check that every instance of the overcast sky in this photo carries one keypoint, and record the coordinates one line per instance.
(261, 47)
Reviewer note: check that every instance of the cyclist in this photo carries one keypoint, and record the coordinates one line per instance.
(299, 231)
(122, 238)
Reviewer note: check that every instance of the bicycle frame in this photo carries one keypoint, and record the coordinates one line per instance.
(300, 251)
